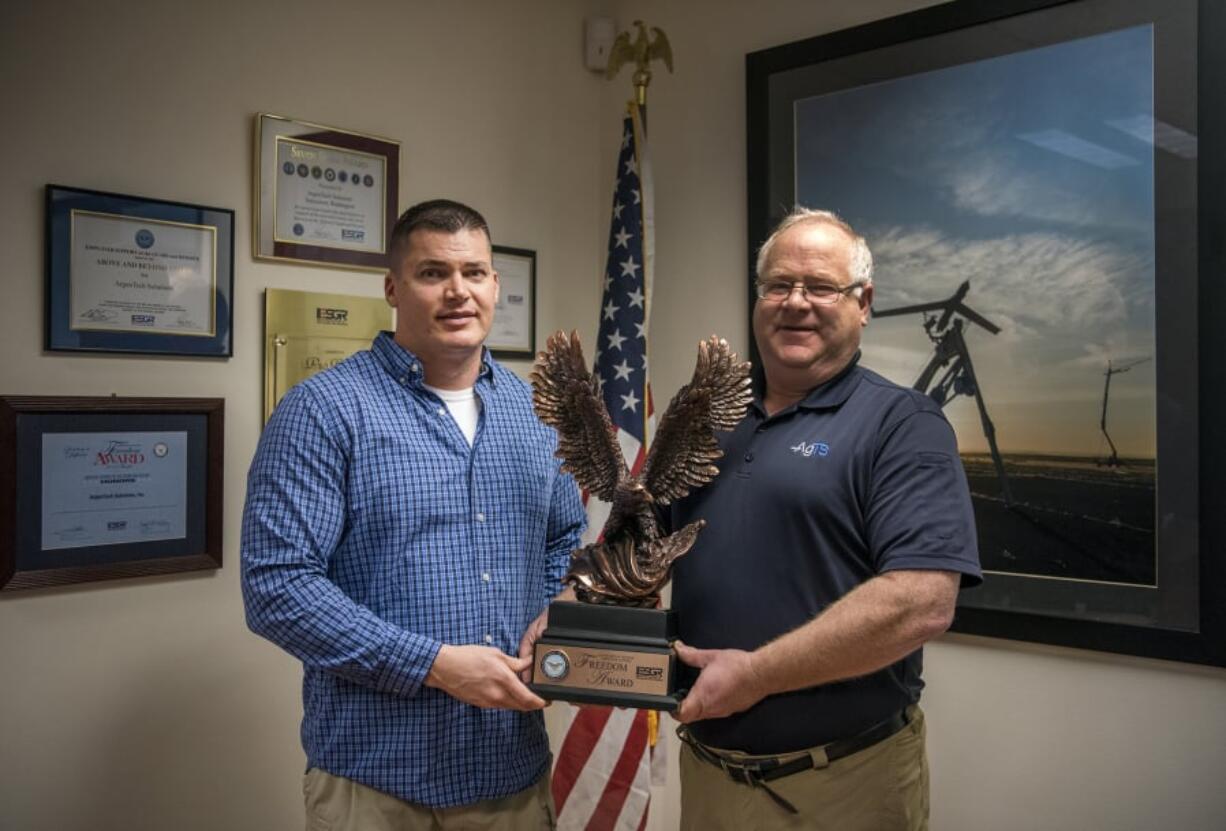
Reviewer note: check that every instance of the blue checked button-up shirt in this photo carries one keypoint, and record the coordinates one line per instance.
(372, 535)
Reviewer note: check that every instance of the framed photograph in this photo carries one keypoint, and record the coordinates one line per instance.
(99, 488)
(323, 195)
(513, 334)
(131, 274)
(1041, 185)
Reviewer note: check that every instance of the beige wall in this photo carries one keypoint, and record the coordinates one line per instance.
(146, 704)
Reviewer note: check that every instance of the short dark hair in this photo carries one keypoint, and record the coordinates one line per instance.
(433, 215)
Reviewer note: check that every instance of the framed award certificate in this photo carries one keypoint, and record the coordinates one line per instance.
(513, 333)
(109, 487)
(130, 274)
(323, 195)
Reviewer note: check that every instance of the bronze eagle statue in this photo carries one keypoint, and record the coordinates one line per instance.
(632, 560)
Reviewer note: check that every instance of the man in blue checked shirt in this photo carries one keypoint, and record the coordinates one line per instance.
(406, 526)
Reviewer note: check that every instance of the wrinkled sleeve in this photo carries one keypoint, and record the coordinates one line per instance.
(293, 520)
(919, 509)
(566, 523)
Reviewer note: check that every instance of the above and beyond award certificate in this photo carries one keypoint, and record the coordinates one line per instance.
(108, 488)
(329, 196)
(131, 274)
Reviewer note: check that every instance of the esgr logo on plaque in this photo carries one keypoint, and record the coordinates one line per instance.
(144, 238)
(333, 317)
(555, 665)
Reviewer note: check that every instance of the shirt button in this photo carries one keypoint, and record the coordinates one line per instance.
(485, 575)
(489, 638)
(416, 367)
(480, 517)
(404, 380)
(441, 411)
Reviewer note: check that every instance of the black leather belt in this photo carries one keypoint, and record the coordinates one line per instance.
(758, 772)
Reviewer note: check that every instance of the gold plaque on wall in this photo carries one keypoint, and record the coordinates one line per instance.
(305, 332)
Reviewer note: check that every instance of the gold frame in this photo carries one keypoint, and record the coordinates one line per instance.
(338, 257)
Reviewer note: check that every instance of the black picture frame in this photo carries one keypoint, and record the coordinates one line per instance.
(513, 334)
(1190, 300)
(126, 321)
(74, 437)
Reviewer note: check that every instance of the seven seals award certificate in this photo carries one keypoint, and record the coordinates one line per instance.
(130, 274)
(108, 488)
(329, 196)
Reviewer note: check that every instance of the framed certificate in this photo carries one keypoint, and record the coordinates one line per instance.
(130, 274)
(109, 487)
(513, 334)
(323, 195)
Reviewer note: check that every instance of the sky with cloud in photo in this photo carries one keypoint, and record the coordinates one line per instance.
(1032, 176)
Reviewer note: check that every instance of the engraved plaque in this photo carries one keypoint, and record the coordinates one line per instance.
(615, 655)
(306, 332)
(593, 668)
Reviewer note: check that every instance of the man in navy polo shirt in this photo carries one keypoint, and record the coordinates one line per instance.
(838, 533)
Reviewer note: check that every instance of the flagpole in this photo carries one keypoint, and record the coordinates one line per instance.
(642, 51)
(604, 767)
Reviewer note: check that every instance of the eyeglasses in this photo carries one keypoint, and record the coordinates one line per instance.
(822, 294)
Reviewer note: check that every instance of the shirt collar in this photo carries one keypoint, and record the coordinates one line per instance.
(407, 368)
(829, 394)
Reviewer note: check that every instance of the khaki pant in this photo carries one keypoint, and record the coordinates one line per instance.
(334, 803)
(881, 788)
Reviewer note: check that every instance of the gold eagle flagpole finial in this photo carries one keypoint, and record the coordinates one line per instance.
(641, 52)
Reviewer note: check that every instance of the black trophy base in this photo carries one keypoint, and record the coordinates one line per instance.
(614, 655)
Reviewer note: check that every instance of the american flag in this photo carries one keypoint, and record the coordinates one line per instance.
(603, 776)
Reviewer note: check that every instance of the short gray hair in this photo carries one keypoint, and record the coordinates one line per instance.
(861, 257)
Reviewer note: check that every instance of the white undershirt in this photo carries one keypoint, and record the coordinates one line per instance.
(465, 408)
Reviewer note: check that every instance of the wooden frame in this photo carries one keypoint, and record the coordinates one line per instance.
(73, 501)
(323, 194)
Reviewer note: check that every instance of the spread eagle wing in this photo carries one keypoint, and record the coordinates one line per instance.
(620, 54)
(684, 446)
(660, 48)
(567, 398)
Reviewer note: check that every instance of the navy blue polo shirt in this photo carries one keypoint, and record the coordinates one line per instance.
(859, 478)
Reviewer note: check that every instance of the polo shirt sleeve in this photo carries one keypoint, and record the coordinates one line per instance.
(292, 522)
(919, 513)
